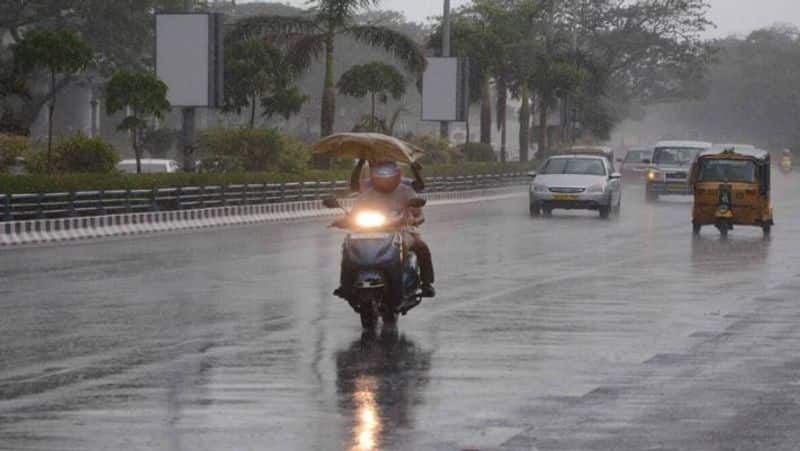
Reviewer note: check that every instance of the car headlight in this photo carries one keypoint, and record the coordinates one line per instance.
(652, 175)
(599, 188)
(540, 188)
(370, 219)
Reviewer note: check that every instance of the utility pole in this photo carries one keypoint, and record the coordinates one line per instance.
(188, 121)
(445, 126)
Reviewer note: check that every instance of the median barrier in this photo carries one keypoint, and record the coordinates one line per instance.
(41, 231)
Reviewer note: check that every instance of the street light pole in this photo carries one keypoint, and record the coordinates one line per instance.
(445, 126)
(188, 121)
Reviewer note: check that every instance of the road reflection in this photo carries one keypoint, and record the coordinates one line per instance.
(379, 380)
(737, 252)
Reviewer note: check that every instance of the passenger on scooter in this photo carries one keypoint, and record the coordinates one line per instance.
(359, 184)
(386, 188)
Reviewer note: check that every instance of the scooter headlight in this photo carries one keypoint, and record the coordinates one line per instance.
(370, 219)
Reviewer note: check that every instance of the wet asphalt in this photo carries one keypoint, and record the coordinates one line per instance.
(566, 333)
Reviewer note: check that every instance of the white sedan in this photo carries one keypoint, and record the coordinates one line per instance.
(576, 182)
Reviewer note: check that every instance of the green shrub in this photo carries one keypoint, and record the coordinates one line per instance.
(41, 183)
(437, 150)
(11, 148)
(478, 152)
(252, 150)
(76, 154)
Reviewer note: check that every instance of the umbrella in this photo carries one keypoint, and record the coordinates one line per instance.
(368, 146)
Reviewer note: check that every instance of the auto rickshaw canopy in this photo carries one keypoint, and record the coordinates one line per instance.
(761, 159)
(368, 146)
(739, 153)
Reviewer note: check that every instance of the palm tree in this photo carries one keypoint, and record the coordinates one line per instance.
(315, 34)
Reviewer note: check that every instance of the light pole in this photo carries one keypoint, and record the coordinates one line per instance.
(445, 126)
(188, 121)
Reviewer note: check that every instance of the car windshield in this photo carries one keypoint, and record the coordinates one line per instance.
(675, 155)
(727, 171)
(579, 166)
(637, 156)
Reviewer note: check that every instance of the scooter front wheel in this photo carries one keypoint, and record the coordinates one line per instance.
(369, 301)
(368, 319)
(389, 316)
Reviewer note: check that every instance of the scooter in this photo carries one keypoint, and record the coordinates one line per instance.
(383, 275)
(786, 164)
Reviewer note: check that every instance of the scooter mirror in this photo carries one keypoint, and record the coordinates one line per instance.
(331, 202)
(417, 202)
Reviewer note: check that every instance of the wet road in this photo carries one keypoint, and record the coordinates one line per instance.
(552, 334)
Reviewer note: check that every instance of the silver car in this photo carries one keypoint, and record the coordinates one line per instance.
(670, 167)
(576, 182)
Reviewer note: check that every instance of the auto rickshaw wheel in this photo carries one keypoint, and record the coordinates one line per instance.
(723, 228)
(696, 228)
(767, 228)
(604, 211)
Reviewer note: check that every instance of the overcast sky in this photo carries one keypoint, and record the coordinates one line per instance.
(731, 16)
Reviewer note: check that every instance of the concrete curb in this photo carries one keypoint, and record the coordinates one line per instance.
(41, 231)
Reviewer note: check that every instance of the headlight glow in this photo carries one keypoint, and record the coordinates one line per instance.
(651, 175)
(370, 219)
(599, 188)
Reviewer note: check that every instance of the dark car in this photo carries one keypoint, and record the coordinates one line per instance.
(634, 166)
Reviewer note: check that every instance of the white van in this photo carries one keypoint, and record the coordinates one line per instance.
(669, 169)
(149, 166)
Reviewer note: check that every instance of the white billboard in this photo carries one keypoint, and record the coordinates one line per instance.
(443, 90)
(189, 58)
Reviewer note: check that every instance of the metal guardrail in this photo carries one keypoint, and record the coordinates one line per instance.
(16, 207)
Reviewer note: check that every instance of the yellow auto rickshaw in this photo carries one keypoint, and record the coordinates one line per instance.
(732, 187)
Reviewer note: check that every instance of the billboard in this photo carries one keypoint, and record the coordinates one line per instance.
(444, 90)
(189, 58)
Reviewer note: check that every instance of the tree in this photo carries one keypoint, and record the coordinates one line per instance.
(314, 34)
(256, 71)
(144, 96)
(121, 34)
(643, 52)
(375, 79)
(59, 52)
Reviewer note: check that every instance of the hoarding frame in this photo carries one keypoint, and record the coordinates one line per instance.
(216, 59)
(462, 90)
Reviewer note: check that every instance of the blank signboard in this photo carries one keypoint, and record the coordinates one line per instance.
(183, 59)
(442, 90)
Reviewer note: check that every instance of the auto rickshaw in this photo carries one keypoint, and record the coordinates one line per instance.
(732, 187)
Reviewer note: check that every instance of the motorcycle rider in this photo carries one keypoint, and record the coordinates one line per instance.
(386, 189)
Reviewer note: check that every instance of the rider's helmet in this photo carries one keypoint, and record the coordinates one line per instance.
(385, 176)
